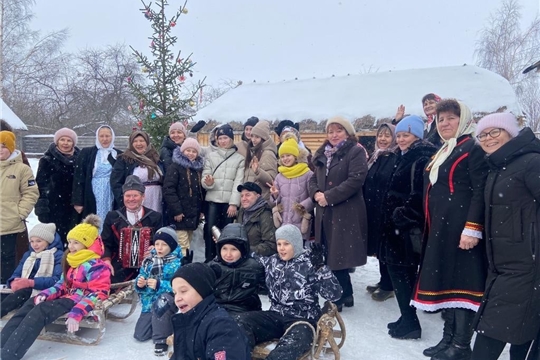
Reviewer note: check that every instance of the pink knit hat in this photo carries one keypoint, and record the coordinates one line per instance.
(66, 132)
(178, 126)
(506, 121)
(190, 143)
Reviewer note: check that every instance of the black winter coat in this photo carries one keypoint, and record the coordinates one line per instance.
(112, 225)
(183, 192)
(238, 282)
(375, 186)
(344, 220)
(166, 152)
(83, 195)
(510, 310)
(432, 135)
(451, 277)
(402, 204)
(207, 332)
(55, 183)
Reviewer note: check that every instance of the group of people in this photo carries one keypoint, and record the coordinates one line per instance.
(448, 206)
(453, 220)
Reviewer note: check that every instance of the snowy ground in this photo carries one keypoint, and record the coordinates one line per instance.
(367, 336)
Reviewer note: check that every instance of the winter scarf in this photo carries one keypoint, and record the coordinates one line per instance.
(466, 126)
(248, 213)
(149, 159)
(46, 265)
(76, 259)
(378, 152)
(252, 152)
(329, 152)
(103, 153)
(291, 172)
(66, 159)
(157, 263)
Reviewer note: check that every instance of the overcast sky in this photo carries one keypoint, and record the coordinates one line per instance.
(273, 40)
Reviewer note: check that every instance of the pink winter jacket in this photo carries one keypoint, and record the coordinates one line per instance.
(293, 191)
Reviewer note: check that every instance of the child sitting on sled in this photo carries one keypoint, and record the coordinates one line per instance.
(294, 279)
(39, 269)
(85, 280)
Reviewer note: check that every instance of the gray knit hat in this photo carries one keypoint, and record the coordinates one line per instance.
(293, 235)
(133, 183)
(43, 231)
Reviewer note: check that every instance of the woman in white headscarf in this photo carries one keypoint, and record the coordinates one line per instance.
(453, 270)
(92, 192)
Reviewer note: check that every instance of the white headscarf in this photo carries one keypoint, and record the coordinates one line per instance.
(103, 153)
(467, 126)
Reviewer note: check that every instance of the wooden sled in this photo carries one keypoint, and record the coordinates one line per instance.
(92, 326)
(325, 335)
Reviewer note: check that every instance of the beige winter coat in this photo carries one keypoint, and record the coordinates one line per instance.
(18, 193)
(267, 171)
(227, 176)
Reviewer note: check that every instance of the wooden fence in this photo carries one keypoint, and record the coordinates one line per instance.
(36, 145)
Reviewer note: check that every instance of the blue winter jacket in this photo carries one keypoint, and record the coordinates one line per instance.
(149, 295)
(42, 283)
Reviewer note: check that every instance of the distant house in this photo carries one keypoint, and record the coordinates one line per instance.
(356, 96)
(12, 119)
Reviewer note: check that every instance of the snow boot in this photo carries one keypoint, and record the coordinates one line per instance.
(407, 330)
(460, 348)
(382, 295)
(372, 288)
(394, 324)
(161, 349)
(448, 332)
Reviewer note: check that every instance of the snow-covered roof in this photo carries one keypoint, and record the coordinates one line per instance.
(8, 115)
(355, 96)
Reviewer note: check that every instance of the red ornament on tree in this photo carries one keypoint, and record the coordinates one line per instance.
(139, 123)
(141, 104)
(182, 78)
(173, 24)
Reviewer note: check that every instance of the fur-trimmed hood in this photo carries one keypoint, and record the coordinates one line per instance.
(182, 160)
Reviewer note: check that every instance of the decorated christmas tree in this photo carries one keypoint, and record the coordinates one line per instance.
(162, 92)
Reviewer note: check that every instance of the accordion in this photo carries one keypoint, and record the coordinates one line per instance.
(134, 242)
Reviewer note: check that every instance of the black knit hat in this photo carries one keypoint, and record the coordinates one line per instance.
(252, 121)
(200, 276)
(168, 235)
(225, 129)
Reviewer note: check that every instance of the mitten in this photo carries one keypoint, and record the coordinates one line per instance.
(305, 226)
(299, 208)
(317, 255)
(198, 126)
(72, 325)
(19, 283)
(187, 259)
(277, 216)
